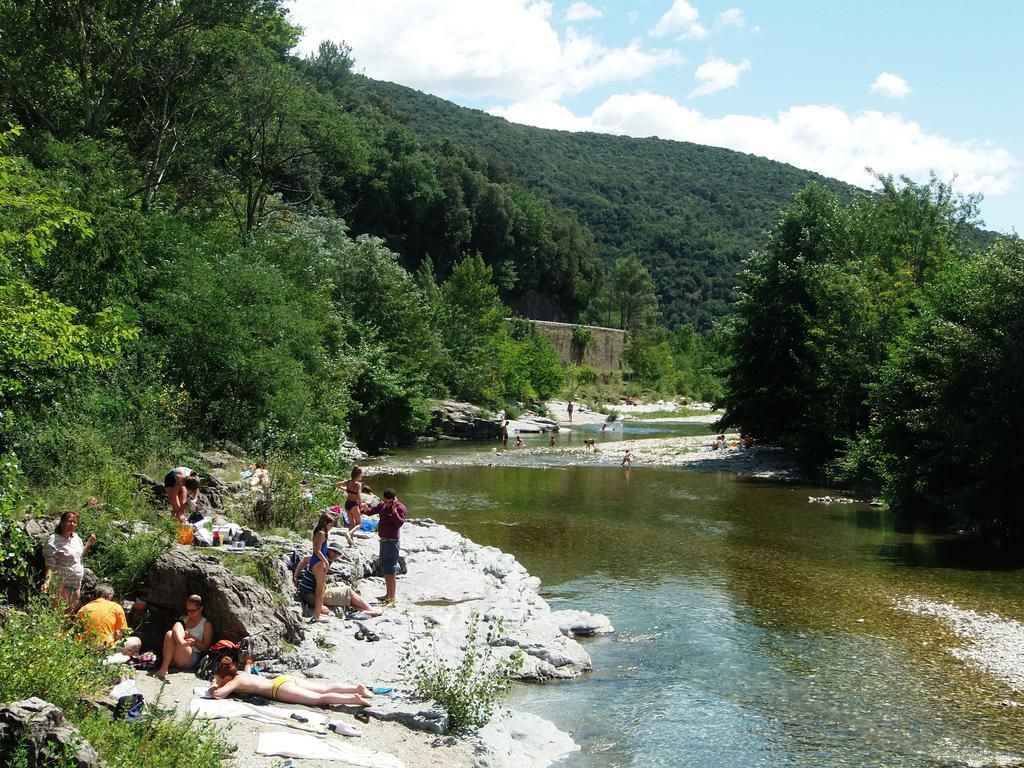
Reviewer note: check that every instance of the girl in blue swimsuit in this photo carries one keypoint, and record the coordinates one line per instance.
(319, 562)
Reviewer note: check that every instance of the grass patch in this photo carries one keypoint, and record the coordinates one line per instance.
(258, 565)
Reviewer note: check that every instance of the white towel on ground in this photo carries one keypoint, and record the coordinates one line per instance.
(214, 708)
(304, 746)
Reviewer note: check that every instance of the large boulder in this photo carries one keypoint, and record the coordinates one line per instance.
(463, 420)
(239, 608)
(41, 730)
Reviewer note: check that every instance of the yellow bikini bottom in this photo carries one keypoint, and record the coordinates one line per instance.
(278, 682)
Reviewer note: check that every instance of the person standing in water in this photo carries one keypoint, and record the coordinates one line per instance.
(504, 433)
(568, 409)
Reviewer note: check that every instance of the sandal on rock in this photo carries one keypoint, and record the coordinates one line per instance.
(372, 637)
(362, 717)
(360, 635)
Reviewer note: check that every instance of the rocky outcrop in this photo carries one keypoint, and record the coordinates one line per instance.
(239, 608)
(522, 740)
(40, 729)
(463, 421)
(450, 579)
(532, 423)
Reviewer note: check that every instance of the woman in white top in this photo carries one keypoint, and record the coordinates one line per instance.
(187, 640)
(62, 555)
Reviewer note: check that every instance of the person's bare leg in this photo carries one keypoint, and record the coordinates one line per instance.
(291, 693)
(130, 647)
(361, 605)
(68, 599)
(174, 641)
(334, 687)
(355, 519)
(321, 585)
(391, 582)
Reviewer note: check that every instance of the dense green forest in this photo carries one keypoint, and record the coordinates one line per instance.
(882, 346)
(187, 249)
(690, 213)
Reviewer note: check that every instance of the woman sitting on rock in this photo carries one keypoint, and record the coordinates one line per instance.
(187, 641)
(311, 580)
(285, 688)
(62, 555)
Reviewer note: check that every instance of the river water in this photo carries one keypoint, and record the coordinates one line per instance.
(753, 628)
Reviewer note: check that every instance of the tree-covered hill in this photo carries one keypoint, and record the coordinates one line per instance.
(691, 213)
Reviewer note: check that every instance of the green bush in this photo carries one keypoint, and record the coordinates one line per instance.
(159, 740)
(122, 555)
(470, 690)
(15, 544)
(40, 655)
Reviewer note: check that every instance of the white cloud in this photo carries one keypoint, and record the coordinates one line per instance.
(682, 20)
(580, 11)
(818, 138)
(893, 86)
(501, 49)
(732, 17)
(543, 114)
(717, 75)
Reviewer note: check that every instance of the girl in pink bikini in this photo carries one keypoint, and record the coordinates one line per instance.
(354, 506)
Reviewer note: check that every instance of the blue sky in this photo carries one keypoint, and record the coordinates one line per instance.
(904, 86)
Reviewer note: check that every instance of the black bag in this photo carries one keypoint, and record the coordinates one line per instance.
(220, 649)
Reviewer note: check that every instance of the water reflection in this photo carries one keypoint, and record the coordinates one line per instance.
(754, 628)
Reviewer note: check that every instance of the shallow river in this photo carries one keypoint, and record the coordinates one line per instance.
(753, 628)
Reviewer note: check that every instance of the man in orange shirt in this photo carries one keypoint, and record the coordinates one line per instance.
(105, 621)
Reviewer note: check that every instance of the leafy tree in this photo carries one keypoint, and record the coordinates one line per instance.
(40, 336)
(628, 300)
(949, 408)
(820, 302)
(471, 316)
(649, 359)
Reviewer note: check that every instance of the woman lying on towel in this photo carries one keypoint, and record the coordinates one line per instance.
(285, 688)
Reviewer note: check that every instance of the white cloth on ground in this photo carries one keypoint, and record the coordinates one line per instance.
(304, 746)
(210, 708)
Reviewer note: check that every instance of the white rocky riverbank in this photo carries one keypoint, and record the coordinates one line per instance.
(991, 642)
(450, 579)
(693, 453)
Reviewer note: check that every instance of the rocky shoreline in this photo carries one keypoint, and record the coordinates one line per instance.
(449, 580)
(692, 453)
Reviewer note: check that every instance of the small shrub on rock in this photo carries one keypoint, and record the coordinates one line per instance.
(470, 690)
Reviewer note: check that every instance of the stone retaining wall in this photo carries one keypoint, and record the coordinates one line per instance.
(603, 352)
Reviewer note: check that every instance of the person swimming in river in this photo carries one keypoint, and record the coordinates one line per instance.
(354, 506)
(519, 442)
(227, 679)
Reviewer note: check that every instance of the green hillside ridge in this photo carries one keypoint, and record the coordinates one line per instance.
(691, 213)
